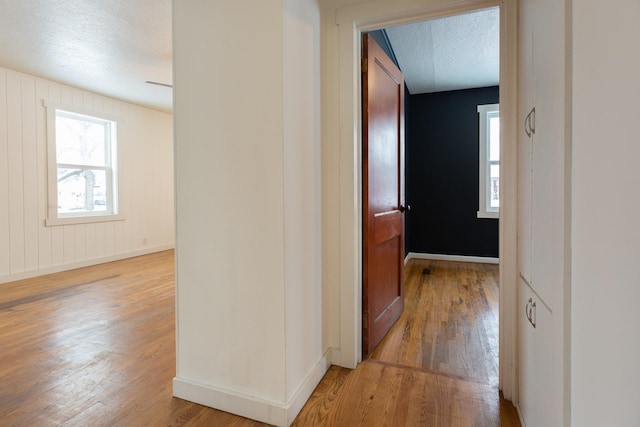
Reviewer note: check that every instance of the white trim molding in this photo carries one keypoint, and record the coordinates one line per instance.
(485, 113)
(267, 411)
(458, 258)
(84, 263)
(109, 167)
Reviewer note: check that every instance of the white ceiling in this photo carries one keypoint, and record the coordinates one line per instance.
(113, 47)
(458, 52)
(108, 47)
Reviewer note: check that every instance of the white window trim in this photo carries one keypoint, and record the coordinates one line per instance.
(485, 210)
(52, 218)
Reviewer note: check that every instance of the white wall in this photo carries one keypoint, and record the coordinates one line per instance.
(248, 217)
(605, 350)
(230, 204)
(302, 197)
(145, 153)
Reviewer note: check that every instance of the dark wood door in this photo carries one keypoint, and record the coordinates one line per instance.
(383, 194)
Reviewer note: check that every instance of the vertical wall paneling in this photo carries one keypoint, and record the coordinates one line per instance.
(80, 100)
(132, 165)
(100, 239)
(44, 233)
(57, 245)
(141, 173)
(90, 241)
(79, 243)
(68, 235)
(30, 180)
(125, 170)
(146, 178)
(68, 243)
(15, 168)
(145, 155)
(57, 239)
(5, 255)
(107, 243)
(118, 232)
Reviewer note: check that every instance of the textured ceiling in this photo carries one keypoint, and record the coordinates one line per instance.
(108, 47)
(113, 47)
(458, 52)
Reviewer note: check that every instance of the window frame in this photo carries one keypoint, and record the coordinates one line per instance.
(485, 113)
(114, 209)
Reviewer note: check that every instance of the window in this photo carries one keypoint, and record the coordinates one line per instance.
(489, 194)
(83, 184)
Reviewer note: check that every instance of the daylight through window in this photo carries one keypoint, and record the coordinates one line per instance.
(84, 152)
(489, 137)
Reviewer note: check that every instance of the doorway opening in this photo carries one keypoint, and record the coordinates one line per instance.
(450, 68)
(352, 22)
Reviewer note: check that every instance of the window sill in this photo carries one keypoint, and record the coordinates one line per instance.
(87, 219)
(491, 215)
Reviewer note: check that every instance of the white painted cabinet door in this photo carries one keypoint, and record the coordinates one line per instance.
(541, 214)
(548, 356)
(526, 358)
(526, 101)
(548, 198)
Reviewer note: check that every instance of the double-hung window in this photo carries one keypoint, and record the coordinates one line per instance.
(489, 148)
(83, 178)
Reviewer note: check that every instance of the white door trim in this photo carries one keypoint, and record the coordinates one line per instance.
(352, 20)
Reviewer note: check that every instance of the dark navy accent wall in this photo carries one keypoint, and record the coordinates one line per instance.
(442, 175)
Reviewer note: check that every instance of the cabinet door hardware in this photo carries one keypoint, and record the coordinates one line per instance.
(530, 311)
(530, 123)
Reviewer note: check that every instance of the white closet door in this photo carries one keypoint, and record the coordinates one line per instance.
(526, 101)
(548, 205)
(541, 211)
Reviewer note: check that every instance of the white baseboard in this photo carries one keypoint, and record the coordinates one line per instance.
(309, 384)
(336, 359)
(84, 263)
(522, 423)
(267, 411)
(459, 258)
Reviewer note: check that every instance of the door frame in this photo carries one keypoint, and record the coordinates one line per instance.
(352, 20)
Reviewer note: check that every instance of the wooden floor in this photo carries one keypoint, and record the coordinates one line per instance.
(96, 347)
(437, 366)
(450, 322)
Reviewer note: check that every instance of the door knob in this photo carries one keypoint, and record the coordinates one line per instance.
(402, 208)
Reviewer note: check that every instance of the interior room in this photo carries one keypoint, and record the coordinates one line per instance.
(205, 266)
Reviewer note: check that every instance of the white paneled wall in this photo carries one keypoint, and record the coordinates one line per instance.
(145, 161)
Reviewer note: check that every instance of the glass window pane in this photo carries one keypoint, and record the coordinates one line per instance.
(495, 171)
(495, 193)
(494, 138)
(80, 141)
(494, 184)
(81, 190)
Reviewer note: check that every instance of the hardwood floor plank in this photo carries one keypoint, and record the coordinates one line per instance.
(96, 346)
(438, 365)
(376, 394)
(450, 322)
(323, 398)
